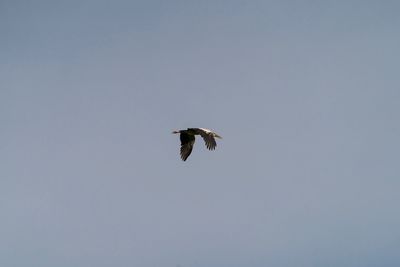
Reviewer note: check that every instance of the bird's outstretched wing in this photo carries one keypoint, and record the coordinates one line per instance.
(208, 137)
(187, 142)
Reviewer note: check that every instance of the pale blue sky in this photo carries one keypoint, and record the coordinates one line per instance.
(305, 93)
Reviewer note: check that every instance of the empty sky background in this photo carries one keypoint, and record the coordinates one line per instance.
(305, 93)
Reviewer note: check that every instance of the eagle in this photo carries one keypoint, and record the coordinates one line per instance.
(188, 137)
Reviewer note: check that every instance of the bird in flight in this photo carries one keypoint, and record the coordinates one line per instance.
(187, 140)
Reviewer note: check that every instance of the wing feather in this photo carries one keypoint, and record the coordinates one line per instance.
(208, 137)
(187, 142)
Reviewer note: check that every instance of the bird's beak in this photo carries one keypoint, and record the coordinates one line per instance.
(216, 135)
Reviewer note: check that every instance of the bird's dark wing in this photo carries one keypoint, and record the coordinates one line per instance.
(208, 138)
(187, 142)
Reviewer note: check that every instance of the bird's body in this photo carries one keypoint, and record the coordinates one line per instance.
(188, 137)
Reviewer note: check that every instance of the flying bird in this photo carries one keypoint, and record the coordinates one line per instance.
(188, 137)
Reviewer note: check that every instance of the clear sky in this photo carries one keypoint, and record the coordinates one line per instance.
(305, 93)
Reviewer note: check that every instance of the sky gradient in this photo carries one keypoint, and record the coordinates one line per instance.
(306, 95)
